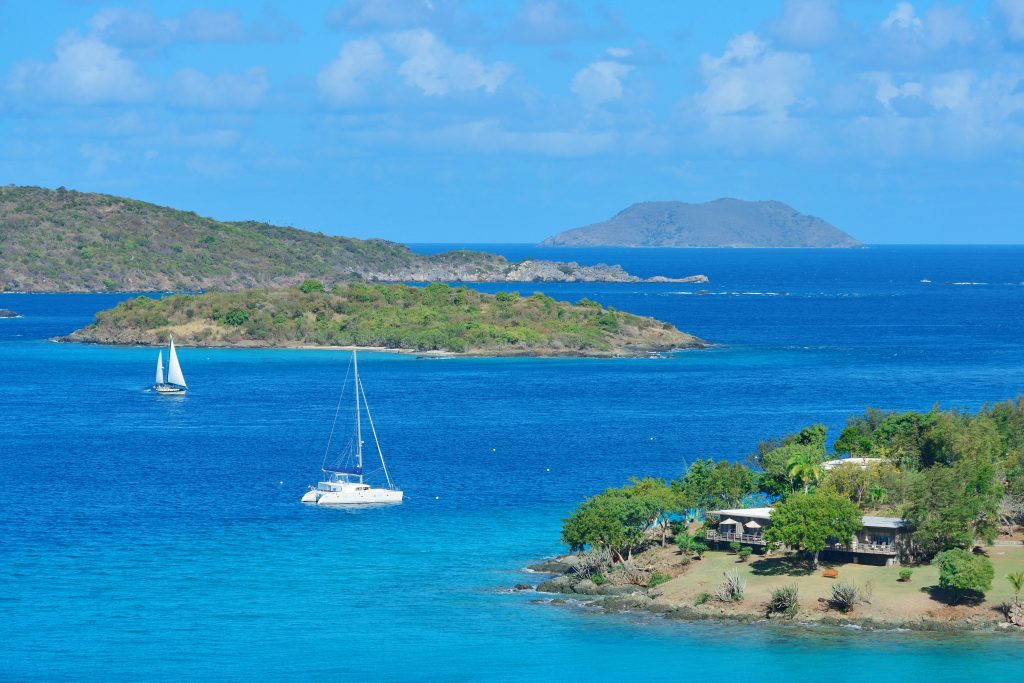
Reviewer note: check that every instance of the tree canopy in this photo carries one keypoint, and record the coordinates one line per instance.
(807, 521)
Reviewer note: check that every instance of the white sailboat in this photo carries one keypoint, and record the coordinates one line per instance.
(175, 383)
(343, 484)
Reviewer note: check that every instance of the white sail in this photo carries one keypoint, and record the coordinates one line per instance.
(160, 367)
(174, 375)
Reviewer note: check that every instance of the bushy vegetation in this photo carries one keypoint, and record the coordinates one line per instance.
(701, 598)
(784, 600)
(435, 317)
(955, 476)
(964, 574)
(657, 578)
(732, 588)
(61, 240)
(905, 575)
(846, 596)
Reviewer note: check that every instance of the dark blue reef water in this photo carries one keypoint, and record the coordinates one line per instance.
(146, 537)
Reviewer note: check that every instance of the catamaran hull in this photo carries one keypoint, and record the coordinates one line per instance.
(368, 497)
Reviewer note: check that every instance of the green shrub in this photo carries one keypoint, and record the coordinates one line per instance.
(734, 547)
(599, 578)
(733, 588)
(236, 317)
(905, 575)
(784, 600)
(745, 552)
(699, 549)
(657, 578)
(701, 598)
(963, 573)
(310, 286)
(846, 596)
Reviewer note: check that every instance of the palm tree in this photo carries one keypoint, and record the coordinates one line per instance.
(805, 466)
(1016, 579)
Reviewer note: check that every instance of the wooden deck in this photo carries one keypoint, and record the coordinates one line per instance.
(758, 539)
(750, 539)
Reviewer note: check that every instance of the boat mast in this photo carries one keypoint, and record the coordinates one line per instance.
(359, 426)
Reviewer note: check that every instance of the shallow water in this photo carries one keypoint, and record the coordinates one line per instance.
(161, 538)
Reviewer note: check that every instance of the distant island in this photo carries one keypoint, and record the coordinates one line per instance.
(7, 313)
(68, 241)
(721, 223)
(437, 317)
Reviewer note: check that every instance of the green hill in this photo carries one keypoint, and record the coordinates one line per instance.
(63, 240)
(435, 317)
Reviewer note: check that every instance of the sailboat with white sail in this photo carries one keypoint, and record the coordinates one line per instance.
(175, 382)
(343, 478)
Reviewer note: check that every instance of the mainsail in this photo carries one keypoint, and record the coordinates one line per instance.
(174, 375)
(160, 367)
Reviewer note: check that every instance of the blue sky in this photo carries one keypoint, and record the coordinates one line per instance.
(449, 120)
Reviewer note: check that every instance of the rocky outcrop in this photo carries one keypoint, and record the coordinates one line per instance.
(6, 313)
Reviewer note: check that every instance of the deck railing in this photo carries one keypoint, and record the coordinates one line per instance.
(753, 539)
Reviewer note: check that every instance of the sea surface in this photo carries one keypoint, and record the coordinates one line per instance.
(161, 538)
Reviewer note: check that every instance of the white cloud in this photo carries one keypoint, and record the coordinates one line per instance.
(344, 80)
(1012, 14)
(100, 157)
(193, 88)
(490, 136)
(84, 70)
(806, 24)
(903, 17)
(619, 52)
(600, 82)
(141, 30)
(436, 69)
(750, 78)
(389, 14)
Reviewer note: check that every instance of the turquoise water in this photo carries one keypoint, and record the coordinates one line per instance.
(149, 537)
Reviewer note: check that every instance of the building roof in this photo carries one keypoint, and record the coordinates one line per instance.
(862, 463)
(766, 513)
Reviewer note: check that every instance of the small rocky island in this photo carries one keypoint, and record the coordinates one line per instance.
(721, 223)
(435, 318)
(7, 313)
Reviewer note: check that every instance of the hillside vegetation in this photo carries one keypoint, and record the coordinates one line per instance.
(435, 317)
(721, 223)
(63, 240)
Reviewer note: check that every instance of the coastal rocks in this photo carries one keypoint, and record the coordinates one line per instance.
(1015, 615)
(692, 278)
(553, 566)
(497, 269)
(559, 584)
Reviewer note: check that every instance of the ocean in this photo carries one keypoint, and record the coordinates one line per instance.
(161, 538)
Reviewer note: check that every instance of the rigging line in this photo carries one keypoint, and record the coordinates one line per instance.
(359, 388)
(337, 409)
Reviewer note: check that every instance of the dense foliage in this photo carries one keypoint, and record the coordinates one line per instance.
(806, 521)
(963, 573)
(393, 316)
(957, 477)
(60, 240)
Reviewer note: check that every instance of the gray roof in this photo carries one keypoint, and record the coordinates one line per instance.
(886, 522)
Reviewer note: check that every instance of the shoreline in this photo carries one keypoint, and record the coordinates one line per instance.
(653, 354)
(561, 588)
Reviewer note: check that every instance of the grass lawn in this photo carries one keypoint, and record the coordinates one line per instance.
(891, 599)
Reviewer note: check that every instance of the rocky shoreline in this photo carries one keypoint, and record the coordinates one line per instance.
(614, 598)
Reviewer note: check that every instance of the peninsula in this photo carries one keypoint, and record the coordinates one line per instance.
(437, 317)
(67, 241)
(917, 521)
(721, 223)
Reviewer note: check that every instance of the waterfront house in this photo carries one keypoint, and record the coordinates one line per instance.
(882, 540)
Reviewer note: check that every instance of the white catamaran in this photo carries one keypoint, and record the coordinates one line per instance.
(175, 383)
(344, 483)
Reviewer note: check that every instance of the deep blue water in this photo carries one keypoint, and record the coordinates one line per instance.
(147, 537)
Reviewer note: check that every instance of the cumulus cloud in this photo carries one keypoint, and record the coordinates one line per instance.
(903, 17)
(806, 24)
(227, 90)
(600, 82)
(141, 30)
(84, 70)
(390, 15)
(344, 80)
(436, 69)
(751, 78)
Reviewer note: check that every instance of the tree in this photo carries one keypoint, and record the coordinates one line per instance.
(310, 286)
(617, 519)
(807, 521)
(708, 485)
(952, 506)
(1016, 580)
(804, 465)
(963, 573)
(662, 500)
